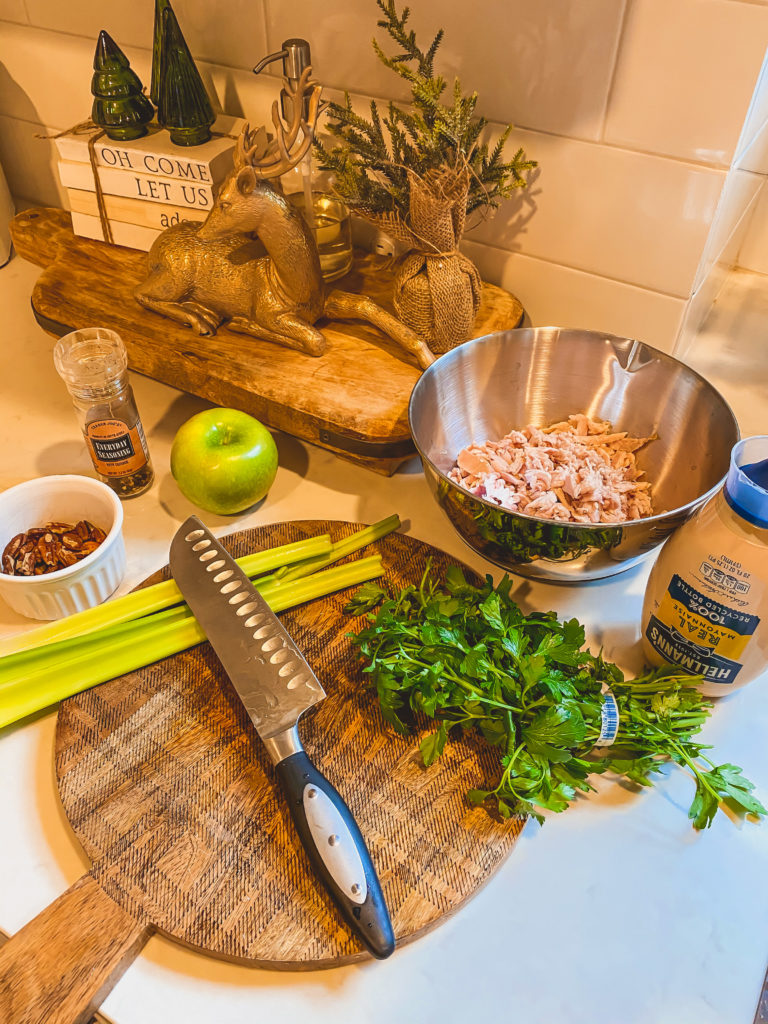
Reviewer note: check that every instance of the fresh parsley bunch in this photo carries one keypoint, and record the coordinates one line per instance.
(468, 658)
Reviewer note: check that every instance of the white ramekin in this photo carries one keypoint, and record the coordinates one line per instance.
(64, 499)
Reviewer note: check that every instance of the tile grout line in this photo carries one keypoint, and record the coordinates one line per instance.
(63, 32)
(577, 270)
(495, 125)
(748, 211)
(638, 151)
(615, 68)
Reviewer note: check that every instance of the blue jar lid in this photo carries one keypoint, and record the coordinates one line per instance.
(746, 486)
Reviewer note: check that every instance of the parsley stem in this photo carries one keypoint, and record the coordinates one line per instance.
(507, 770)
(467, 687)
(688, 760)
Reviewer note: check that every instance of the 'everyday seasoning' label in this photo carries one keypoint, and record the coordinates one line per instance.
(701, 635)
(116, 449)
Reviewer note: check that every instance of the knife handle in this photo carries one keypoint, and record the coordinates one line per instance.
(337, 851)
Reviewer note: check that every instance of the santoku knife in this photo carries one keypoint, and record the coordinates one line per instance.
(276, 685)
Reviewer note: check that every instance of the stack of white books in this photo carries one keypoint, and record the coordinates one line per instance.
(147, 184)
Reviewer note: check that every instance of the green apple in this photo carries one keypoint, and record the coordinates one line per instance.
(223, 460)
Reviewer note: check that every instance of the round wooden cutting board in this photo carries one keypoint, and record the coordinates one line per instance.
(174, 799)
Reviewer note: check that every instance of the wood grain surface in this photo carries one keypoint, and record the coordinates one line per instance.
(96, 1018)
(168, 788)
(352, 400)
(59, 967)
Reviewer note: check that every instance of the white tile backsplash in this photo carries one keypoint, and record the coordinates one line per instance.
(13, 10)
(757, 116)
(741, 188)
(129, 24)
(231, 33)
(28, 158)
(58, 93)
(621, 214)
(561, 296)
(686, 72)
(755, 157)
(753, 253)
(698, 308)
(242, 93)
(633, 108)
(544, 65)
(46, 76)
(718, 270)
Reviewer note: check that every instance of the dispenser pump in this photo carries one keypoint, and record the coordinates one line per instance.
(326, 216)
(296, 56)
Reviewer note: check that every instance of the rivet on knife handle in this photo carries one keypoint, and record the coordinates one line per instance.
(276, 685)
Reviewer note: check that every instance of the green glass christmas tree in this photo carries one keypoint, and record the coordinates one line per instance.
(183, 106)
(119, 105)
(157, 51)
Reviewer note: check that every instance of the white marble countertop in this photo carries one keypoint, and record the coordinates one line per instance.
(613, 911)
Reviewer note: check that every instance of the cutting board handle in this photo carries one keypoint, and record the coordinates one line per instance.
(61, 965)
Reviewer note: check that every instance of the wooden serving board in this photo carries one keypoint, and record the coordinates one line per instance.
(173, 798)
(353, 399)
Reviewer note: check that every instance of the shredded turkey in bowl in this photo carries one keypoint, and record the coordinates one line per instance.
(576, 471)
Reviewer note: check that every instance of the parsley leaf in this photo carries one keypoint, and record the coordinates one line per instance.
(367, 597)
(432, 747)
(557, 725)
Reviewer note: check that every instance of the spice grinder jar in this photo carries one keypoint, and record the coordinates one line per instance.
(93, 364)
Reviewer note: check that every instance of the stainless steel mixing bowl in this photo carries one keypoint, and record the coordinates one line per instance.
(486, 387)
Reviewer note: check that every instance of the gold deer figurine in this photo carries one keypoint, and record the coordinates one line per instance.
(269, 286)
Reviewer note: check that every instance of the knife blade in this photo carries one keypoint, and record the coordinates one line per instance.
(276, 685)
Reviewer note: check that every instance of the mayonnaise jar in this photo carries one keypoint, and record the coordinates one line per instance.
(706, 604)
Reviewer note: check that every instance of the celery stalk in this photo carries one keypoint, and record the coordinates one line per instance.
(342, 548)
(156, 597)
(53, 655)
(149, 641)
(25, 669)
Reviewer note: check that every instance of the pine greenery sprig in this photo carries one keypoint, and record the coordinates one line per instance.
(372, 157)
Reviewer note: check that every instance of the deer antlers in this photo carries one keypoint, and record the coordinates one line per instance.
(257, 156)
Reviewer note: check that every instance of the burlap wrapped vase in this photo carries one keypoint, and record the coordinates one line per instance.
(437, 289)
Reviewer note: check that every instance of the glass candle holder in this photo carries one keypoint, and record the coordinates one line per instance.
(331, 226)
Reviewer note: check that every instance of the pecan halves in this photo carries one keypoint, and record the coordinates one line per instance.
(25, 566)
(10, 551)
(44, 549)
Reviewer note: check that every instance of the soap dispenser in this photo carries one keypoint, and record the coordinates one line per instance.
(327, 217)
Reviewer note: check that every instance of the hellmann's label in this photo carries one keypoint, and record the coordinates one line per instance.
(699, 634)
